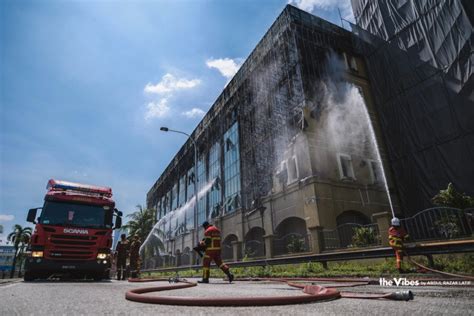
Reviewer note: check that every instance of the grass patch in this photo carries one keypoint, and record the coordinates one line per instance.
(459, 263)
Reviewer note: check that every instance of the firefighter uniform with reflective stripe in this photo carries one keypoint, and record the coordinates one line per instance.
(396, 237)
(212, 242)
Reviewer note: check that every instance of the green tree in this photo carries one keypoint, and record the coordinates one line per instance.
(452, 198)
(19, 237)
(140, 222)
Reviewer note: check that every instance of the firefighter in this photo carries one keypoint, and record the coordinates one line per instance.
(121, 252)
(212, 243)
(396, 236)
(135, 256)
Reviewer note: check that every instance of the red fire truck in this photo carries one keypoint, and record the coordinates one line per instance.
(73, 233)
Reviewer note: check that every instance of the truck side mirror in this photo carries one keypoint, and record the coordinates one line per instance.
(119, 213)
(118, 222)
(32, 215)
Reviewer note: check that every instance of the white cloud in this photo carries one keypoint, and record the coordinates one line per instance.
(6, 218)
(193, 113)
(157, 109)
(326, 5)
(170, 83)
(227, 67)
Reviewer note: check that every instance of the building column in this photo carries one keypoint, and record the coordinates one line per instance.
(268, 245)
(383, 222)
(236, 250)
(316, 240)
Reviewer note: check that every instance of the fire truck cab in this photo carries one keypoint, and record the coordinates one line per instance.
(73, 233)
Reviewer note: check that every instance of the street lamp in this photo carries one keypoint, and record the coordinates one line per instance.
(166, 129)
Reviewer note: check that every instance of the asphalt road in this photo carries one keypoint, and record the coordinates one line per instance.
(108, 298)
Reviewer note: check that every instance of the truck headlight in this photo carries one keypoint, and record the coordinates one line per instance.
(102, 256)
(37, 254)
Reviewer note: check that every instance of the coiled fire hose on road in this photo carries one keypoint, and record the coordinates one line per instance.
(313, 293)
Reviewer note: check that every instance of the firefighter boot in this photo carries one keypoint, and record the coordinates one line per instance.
(230, 276)
(203, 281)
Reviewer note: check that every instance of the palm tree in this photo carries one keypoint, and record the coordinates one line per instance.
(141, 223)
(19, 237)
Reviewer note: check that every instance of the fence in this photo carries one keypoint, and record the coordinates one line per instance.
(254, 248)
(439, 223)
(291, 243)
(351, 235)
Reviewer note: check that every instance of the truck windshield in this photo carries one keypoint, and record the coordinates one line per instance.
(76, 215)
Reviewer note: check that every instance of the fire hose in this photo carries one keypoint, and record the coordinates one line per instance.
(465, 277)
(312, 293)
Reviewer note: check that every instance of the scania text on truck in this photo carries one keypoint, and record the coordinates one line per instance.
(73, 233)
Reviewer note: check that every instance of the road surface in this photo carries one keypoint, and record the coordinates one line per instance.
(108, 298)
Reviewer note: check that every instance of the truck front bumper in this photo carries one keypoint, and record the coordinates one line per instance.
(44, 266)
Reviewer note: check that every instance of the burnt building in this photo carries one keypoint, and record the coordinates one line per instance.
(277, 167)
(419, 57)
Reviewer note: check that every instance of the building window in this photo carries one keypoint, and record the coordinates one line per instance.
(375, 170)
(166, 203)
(293, 172)
(174, 197)
(182, 191)
(202, 182)
(214, 175)
(351, 62)
(346, 171)
(232, 169)
(190, 184)
(158, 209)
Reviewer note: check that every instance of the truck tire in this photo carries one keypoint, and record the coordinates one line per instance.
(28, 277)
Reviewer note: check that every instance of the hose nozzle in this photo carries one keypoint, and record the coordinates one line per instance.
(401, 296)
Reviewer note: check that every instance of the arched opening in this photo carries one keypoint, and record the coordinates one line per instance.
(186, 257)
(347, 221)
(227, 249)
(291, 236)
(254, 244)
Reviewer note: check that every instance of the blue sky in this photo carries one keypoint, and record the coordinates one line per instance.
(86, 85)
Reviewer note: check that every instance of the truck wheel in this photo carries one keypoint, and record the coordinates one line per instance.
(28, 277)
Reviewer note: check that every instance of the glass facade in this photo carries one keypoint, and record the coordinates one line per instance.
(232, 169)
(202, 181)
(214, 175)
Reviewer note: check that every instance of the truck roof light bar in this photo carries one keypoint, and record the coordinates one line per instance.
(59, 185)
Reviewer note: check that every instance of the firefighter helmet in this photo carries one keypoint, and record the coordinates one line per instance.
(395, 222)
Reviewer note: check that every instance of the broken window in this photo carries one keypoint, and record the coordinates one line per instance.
(202, 181)
(214, 173)
(375, 171)
(293, 173)
(345, 167)
(174, 197)
(232, 168)
(351, 62)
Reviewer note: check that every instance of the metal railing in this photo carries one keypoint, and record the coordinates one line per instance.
(290, 244)
(351, 235)
(227, 251)
(439, 223)
(254, 248)
(464, 246)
